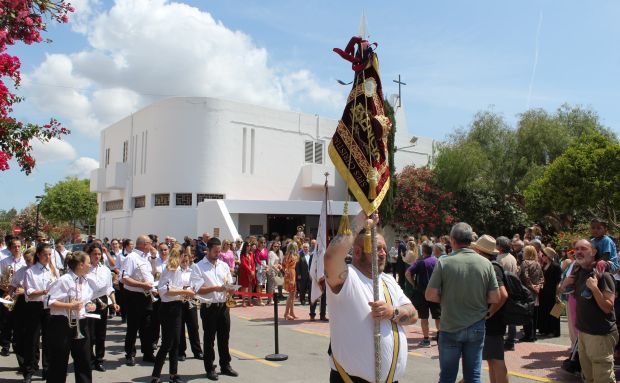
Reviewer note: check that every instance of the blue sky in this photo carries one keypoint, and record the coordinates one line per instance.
(457, 58)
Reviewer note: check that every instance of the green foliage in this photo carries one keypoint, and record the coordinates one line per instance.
(6, 221)
(70, 200)
(386, 209)
(584, 178)
(27, 218)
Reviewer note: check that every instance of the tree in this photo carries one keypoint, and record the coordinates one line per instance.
(23, 20)
(386, 209)
(27, 218)
(6, 220)
(583, 180)
(70, 200)
(421, 207)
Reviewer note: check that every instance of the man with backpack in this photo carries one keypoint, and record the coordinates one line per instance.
(418, 274)
(493, 350)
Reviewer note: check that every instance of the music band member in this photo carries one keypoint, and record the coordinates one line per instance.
(138, 283)
(69, 300)
(9, 266)
(99, 278)
(212, 275)
(189, 316)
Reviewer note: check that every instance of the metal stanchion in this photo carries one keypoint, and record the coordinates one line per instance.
(276, 356)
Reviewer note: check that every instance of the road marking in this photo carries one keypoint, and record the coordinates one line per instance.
(529, 377)
(255, 358)
(311, 332)
(416, 354)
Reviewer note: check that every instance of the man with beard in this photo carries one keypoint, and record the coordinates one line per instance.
(350, 297)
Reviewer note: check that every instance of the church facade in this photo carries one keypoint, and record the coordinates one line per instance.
(186, 165)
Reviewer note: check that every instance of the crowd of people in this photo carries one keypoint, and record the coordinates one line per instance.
(160, 288)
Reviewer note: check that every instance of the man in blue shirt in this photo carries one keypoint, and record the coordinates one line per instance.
(201, 247)
(605, 246)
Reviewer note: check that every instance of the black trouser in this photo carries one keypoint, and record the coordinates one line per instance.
(304, 290)
(61, 343)
(35, 323)
(98, 329)
(216, 319)
(155, 323)
(19, 333)
(139, 310)
(8, 325)
(170, 314)
(121, 300)
(189, 319)
(529, 330)
(322, 309)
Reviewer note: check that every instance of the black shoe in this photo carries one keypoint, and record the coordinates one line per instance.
(181, 358)
(155, 380)
(228, 371)
(148, 358)
(527, 339)
(324, 319)
(212, 375)
(130, 361)
(5, 351)
(28, 379)
(199, 356)
(176, 379)
(99, 367)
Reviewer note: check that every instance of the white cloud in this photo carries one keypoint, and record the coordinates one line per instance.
(82, 167)
(143, 50)
(53, 150)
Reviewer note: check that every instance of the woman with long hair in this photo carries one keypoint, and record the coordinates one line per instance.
(274, 267)
(247, 272)
(100, 280)
(171, 293)
(189, 316)
(69, 300)
(549, 294)
(290, 280)
(261, 254)
(531, 275)
(39, 278)
(226, 254)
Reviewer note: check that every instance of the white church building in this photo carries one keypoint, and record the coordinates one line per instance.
(186, 165)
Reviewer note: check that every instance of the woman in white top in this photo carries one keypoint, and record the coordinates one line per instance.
(39, 278)
(69, 299)
(189, 312)
(171, 293)
(158, 258)
(100, 280)
(274, 267)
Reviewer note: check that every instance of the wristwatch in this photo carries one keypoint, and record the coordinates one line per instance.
(395, 313)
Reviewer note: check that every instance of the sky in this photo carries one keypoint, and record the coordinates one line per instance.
(456, 57)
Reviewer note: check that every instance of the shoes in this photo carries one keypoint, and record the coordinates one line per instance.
(527, 339)
(212, 375)
(28, 379)
(324, 319)
(148, 358)
(509, 347)
(228, 371)
(426, 343)
(5, 351)
(130, 361)
(181, 358)
(99, 367)
(312, 319)
(155, 380)
(199, 356)
(175, 379)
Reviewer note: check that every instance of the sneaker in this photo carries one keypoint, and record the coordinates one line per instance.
(425, 343)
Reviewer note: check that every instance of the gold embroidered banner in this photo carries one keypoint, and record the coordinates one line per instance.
(359, 147)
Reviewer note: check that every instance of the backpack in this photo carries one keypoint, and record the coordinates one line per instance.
(519, 307)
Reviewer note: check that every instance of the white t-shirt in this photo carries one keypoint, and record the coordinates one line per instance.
(138, 268)
(205, 273)
(351, 327)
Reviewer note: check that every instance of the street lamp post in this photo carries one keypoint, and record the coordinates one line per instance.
(36, 225)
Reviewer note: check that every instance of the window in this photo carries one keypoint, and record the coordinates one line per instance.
(139, 202)
(203, 196)
(107, 157)
(125, 151)
(162, 200)
(114, 205)
(183, 199)
(313, 152)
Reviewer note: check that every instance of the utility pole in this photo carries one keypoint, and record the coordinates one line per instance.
(36, 225)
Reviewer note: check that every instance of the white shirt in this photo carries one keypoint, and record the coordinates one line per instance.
(138, 268)
(5, 253)
(58, 258)
(351, 327)
(207, 274)
(38, 277)
(100, 280)
(170, 280)
(70, 287)
(10, 261)
(186, 276)
(120, 258)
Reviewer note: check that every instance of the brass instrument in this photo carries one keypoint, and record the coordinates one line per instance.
(74, 315)
(115, 278)
(230, 301)
(4, 285)
(13, 299)
(143, 278)
(102, 305)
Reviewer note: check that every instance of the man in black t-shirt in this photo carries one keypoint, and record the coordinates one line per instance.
(596, 320)
(493, 350)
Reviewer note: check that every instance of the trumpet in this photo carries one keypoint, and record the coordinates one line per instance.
(4, 285)
(74, 315)
(143, 278)
(13, 299)
(102, 305)
(230, 301)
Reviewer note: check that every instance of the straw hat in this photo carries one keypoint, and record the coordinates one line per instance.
(549, 252)
(485, 244)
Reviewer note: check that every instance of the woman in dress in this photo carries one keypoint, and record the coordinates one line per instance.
(549, 295)
(261, 256)
(531, 275)
(69, 300)
(247, 272)
(100, 280)
(290, 280)
(171, 293)
(226, 254)
(273, 267)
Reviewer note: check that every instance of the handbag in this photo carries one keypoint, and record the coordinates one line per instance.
(278, 278)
